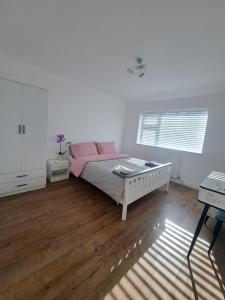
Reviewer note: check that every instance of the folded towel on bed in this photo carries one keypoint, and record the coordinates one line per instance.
(123, 171)
(126, 172)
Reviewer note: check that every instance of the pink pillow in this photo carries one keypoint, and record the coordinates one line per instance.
(84, 149)
(106, 148)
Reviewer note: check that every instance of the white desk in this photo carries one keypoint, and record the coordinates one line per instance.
(211, 193)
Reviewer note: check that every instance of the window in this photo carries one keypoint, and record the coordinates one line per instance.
(179, 130)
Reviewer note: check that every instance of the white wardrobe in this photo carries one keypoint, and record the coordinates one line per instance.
(23, 137)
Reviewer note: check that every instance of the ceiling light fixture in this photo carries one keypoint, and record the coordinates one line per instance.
(139, 69)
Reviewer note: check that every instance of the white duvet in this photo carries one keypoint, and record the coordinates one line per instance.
(99, 173)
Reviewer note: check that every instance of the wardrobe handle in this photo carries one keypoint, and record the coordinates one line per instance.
(19, 185)
(20, 176)
(24, 129)
(19, 128)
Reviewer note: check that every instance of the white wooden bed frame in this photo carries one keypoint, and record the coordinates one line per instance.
(142, 184)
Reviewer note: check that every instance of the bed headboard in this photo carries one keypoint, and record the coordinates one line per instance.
(69, 154)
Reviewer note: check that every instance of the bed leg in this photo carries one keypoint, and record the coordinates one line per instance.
(165, 187)
(124, 212)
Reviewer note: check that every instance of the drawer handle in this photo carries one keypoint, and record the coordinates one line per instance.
(19, 185)
(20, 176)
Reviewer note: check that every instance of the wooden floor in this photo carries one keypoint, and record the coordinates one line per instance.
(68, 242)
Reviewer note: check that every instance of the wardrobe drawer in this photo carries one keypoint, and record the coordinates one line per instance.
(21, 186)
(20, 176)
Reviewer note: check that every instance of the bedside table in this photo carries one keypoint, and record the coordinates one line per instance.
(57, 170)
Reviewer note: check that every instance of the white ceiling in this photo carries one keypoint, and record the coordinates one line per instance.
(94, 41)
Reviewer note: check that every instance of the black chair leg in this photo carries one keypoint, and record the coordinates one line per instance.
(215, 234)
(198, 229)
(206, 219)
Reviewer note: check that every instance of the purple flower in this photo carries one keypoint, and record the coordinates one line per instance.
(60, 138)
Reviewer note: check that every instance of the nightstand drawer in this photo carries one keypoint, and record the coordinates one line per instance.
(57, 167)
(20, 176)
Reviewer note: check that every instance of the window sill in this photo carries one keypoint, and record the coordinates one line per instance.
(169, 149)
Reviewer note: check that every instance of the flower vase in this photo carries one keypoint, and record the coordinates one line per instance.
(60, 156)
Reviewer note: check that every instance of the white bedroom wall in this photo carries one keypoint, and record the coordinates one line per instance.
(80, 112)
(190, 168)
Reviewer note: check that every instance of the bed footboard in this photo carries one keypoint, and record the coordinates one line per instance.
(140, 185)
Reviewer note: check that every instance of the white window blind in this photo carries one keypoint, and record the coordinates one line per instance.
(179, 130)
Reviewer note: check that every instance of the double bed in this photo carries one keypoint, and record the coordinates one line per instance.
(98, 170)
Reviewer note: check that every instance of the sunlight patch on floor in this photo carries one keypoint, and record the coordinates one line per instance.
(163, 271)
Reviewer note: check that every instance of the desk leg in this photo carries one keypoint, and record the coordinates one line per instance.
(198, 229)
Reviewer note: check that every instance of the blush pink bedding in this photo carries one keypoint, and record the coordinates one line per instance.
(106, 148)
(84, 149)
(80, 162)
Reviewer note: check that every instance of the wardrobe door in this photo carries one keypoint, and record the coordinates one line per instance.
(34, 119)
(10, 119)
